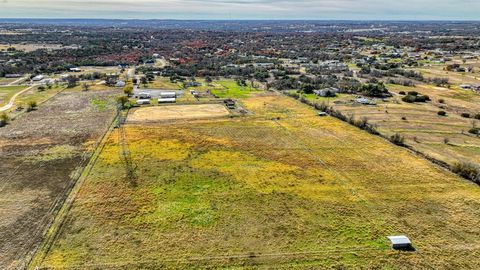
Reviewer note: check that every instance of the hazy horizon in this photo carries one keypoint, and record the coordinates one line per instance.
(410, 10)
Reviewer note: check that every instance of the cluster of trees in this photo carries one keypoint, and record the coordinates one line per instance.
(413, 97)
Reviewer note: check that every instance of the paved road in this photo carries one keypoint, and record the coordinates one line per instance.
(12, 100)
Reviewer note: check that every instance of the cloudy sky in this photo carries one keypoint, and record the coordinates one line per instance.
(244, 9)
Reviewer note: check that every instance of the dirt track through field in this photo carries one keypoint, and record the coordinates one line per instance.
(12, 100)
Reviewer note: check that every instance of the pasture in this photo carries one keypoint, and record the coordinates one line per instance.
(279, 188)
(443, 138)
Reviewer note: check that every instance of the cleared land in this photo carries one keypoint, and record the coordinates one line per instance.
(41, 153)
(280, 188)
(175, 112)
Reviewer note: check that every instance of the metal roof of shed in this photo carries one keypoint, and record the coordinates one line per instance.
(400, 240)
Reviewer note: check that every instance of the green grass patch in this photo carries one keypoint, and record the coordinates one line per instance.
(230, 89)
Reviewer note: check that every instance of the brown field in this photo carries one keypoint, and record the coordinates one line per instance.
(177, 112)
(42, 152)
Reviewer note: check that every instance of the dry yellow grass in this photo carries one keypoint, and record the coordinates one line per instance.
(280, 188)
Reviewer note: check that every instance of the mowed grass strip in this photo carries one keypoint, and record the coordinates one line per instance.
(298, 192)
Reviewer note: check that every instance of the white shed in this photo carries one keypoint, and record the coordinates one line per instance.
(400, 242)
(143, 101)
(168, 95)
(167, 100)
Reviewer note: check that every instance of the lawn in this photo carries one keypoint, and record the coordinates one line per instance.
(230, 89)
(278, 188)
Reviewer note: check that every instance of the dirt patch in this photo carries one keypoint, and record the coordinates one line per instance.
(177, 112)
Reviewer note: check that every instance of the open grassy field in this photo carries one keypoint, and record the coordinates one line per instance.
(280, 188)
(41, 154)
(7, 92)
(419, 123)
(38, 96)
(230, 89)
(455, 78)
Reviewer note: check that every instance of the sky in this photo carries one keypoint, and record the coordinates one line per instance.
(245, 9)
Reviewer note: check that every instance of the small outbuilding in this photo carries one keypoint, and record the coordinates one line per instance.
(167, 100)
(120, 84)
(144, 95)
(38, 78)
(143, 101)
(401, 242)
(168, 94)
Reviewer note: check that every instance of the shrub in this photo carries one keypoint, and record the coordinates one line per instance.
(397, 139)
(422, 98)
(442, 113)
(32, 105)
(441, 100)
(321, 107)
(477, 116)
(415, 98)
(128, 90)
(4, 118)
(41, 88)
(475, 131)
(467, 170)
(404, 118)
(465, 115)
(409, 99)
(402, 93)
(123, 101)
(413, 93)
